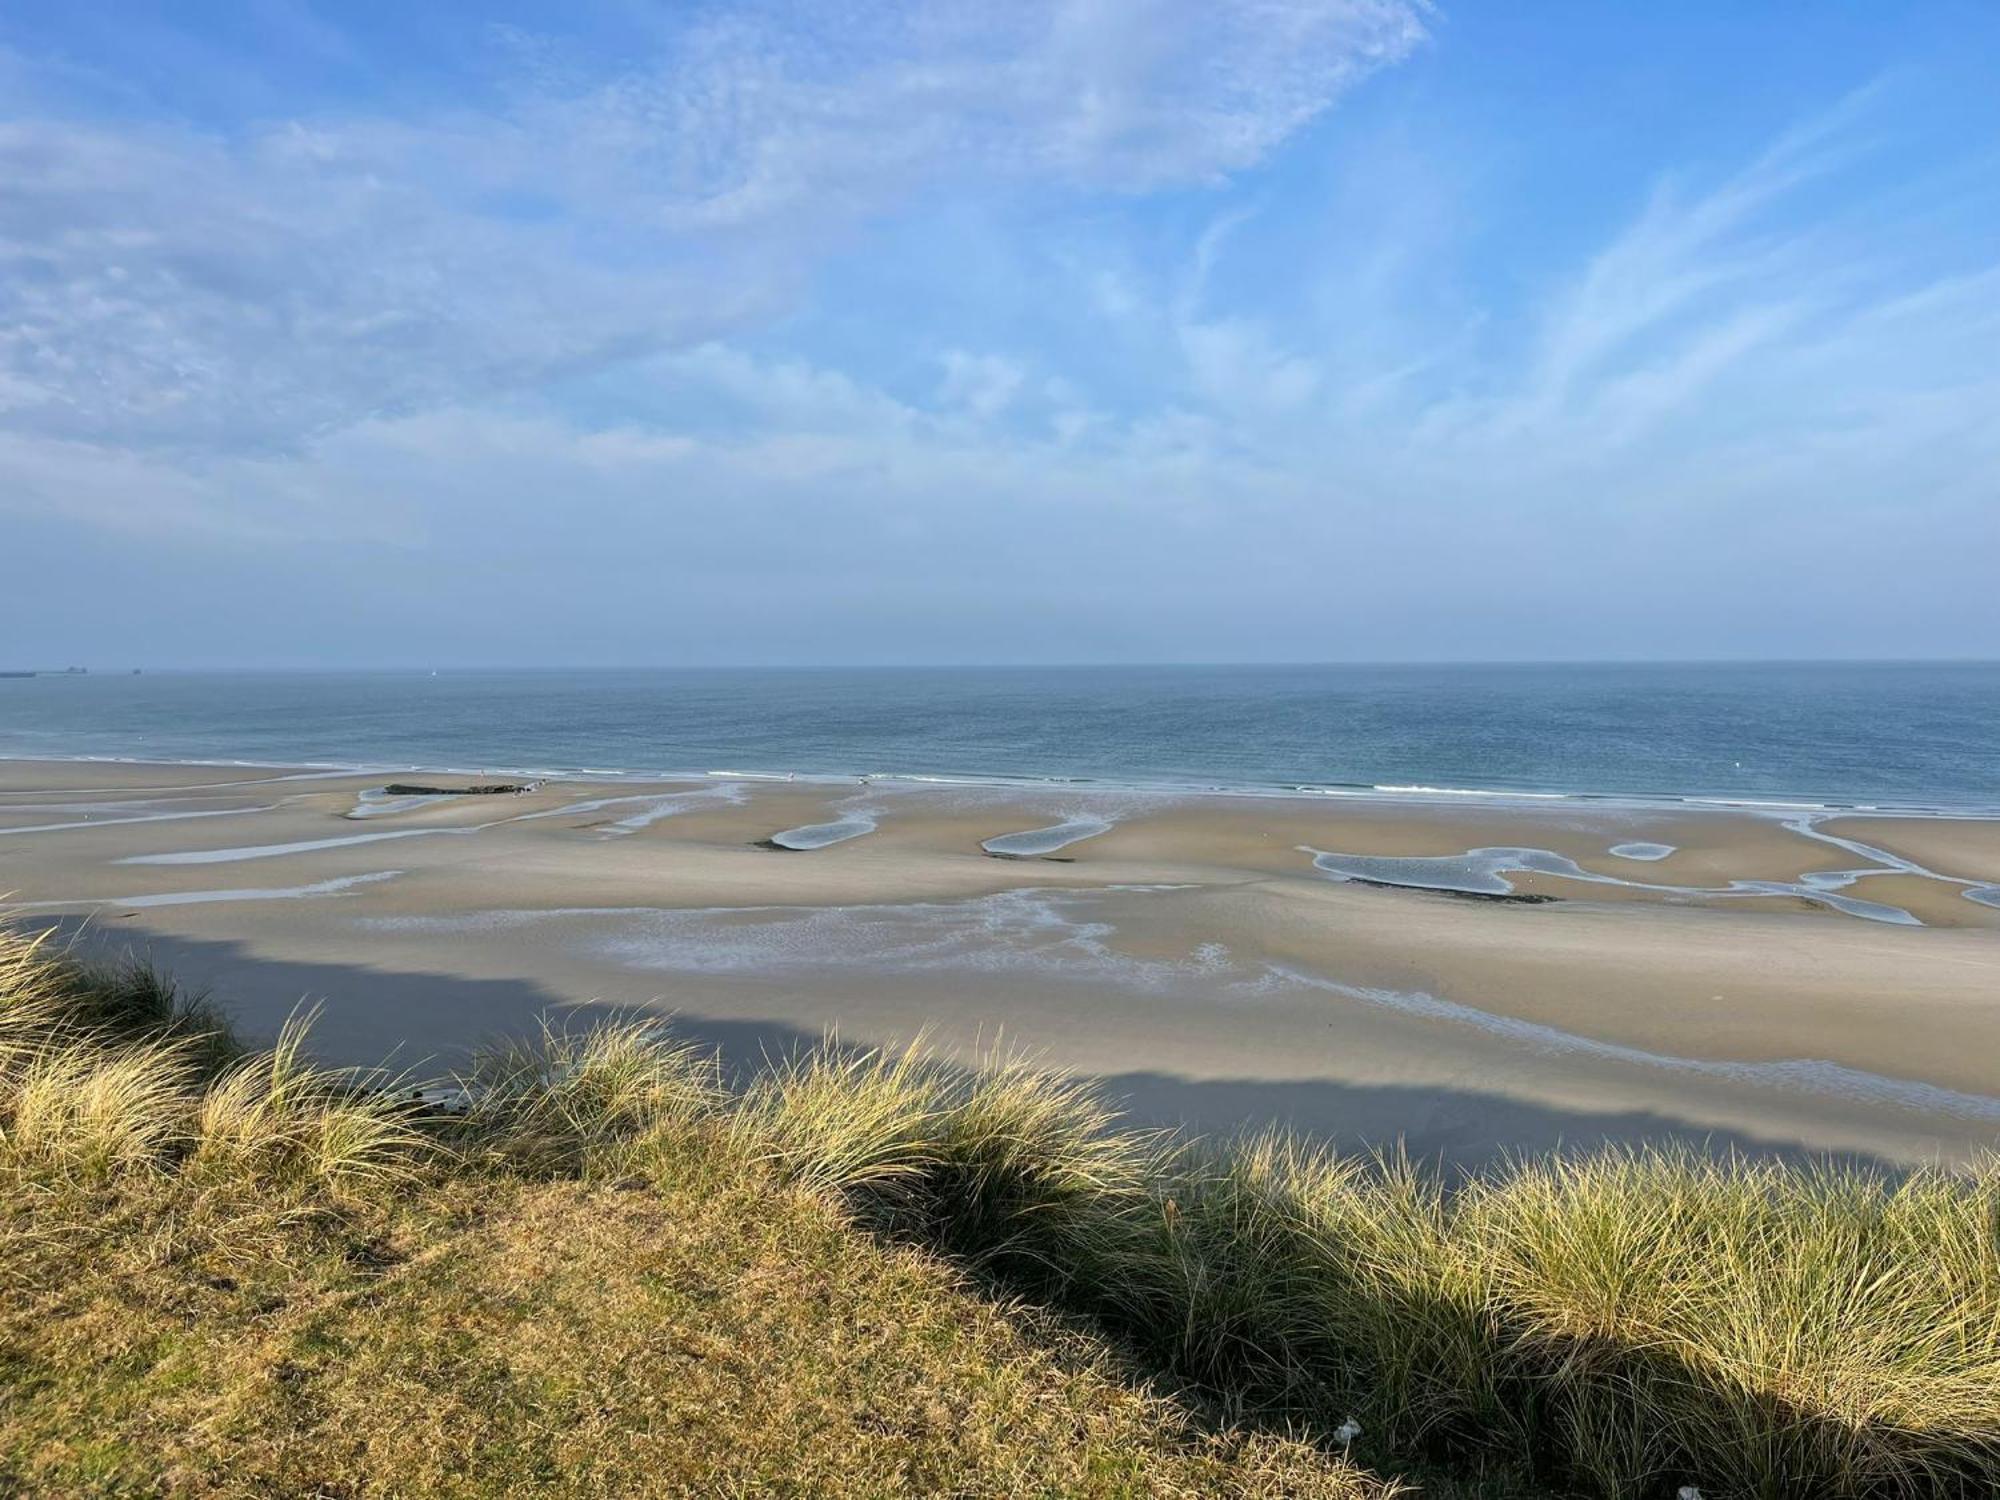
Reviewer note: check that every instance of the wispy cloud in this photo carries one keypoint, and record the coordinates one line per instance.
(379, 353)
(167, 285)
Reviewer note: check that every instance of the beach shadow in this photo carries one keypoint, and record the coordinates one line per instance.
(365, 1016)
(1457, 1129)
(424, 1022)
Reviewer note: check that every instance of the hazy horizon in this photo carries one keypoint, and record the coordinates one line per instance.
(109, 668)
(1081, 331)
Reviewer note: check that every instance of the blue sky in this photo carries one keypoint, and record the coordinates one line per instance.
(1150, 330)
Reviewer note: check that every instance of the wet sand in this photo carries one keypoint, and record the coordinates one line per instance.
(1191, 954)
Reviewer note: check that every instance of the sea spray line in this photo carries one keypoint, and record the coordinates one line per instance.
(1152, 786)
(1464, 791)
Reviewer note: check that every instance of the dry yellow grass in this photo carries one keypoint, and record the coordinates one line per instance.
(254, 1279)
(589, 1270)
(692, 1333)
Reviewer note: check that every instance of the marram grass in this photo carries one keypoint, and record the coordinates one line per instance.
(273, 1117)
(1621, 1324)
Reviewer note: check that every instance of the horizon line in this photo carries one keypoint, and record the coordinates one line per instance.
(128, 669)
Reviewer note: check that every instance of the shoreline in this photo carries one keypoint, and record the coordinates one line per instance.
(1392, 793)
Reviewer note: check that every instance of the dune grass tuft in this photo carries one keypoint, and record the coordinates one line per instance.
(131, 996)
(550, 1103)
(1623, 1321)
(1805, 1332)
(37, 998)
(273, 1117)
(860, 1123)
(1029, 1180)
(1285, 1275)
(93, 1112)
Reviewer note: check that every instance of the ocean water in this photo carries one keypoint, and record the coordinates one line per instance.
(1875, 734)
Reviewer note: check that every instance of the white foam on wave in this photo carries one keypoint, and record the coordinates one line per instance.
(336, 887)
(1762, 803)
(804, 778)
(1467, 791)
(1149, 786)
(1146, 786)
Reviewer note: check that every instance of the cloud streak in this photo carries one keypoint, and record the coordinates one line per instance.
(167, 286)
(667, 355)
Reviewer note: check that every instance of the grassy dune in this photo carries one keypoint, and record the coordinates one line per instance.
(591, 1271)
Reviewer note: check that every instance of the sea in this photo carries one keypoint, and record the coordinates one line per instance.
(1919, 735)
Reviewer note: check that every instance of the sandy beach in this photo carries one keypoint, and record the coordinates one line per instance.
(1224, 961)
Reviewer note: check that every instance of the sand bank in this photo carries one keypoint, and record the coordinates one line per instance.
(1191, 952)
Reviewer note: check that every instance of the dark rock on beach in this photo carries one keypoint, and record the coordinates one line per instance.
(478, 789)
(1515, 898)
